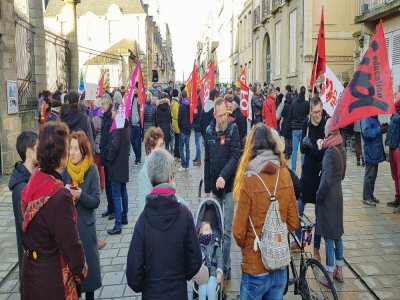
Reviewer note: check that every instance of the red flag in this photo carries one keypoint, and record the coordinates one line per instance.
(370, 91)
(244, 99)
(242, 78)
(100, 89)
(192, 88)
(141, 96)
(319, 65)
(207, 83)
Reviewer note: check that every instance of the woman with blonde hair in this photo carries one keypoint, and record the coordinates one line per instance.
(262, 156)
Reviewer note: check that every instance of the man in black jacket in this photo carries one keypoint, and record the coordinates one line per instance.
(222, 153)
(185, 129)
(207, 113)
(164, 252)
(298, 114)
(257, 104)
(27, 143)
(106, 122)
(240, 120)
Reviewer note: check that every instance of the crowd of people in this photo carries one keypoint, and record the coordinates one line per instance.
(76, 157)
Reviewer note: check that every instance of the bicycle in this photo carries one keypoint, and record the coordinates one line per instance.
(306, 283)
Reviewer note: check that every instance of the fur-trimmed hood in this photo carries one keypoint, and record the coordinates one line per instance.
(163, 101)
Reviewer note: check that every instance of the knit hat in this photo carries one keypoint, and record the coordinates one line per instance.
(236, 99)
(175, 93)
(202, 276)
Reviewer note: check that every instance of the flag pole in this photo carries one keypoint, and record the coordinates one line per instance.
(312, 92)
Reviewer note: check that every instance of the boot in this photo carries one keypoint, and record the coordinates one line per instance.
(317, 256)
(397, 210)
(394, 203)
(322, 280)
(338, 274)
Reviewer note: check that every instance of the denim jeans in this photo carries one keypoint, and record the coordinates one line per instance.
(119, 192)
(136, 142)
(184, 140)
(208, 291)
(269, 286)
(333, 250)
(371, 172)
(176, 146)
(317, 238)
(197, 141)
(228, 207)
(110, 201)
(296, 140)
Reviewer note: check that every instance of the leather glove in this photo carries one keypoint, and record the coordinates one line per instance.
(307, 144)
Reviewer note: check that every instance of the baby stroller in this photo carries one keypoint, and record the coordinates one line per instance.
(210, 211)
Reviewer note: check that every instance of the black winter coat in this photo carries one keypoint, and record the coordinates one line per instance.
(164, 252)
(149, 116)
(118, 154)
(299, 112)
(241, 122)
(18, 181)
(221, 158)
(256, 105)
(106, 123)
(330, 195)
(77, 120)
(286, 126)
(311, 170)
(164, 118)
(206, 116)
(184, 119)
(196, 117)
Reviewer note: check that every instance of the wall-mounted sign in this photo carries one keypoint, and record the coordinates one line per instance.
(12, 97)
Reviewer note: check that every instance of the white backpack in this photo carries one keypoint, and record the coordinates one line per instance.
(274, 245)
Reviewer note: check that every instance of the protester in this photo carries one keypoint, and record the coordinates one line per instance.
(240, 120)
(313, 130)
(261, 156)
(298, 114)
(175, 126)
(81, 179)
(50, 236)
(278, 97)
(372, 130)
(207, 113)
(222, 153)
(185, 129)
(163, 116)
(44, 106)
(149, 113)
(197, 130)
(257, 104)
(286, 126)
(106, 105)
(97, 120)
(54, 111)
(72, 115)
(118, 163)
(164, 252)
(357, 137)
(269, 110)
(136, 129)
(213, 260)
(393, 141)
(26, 146)
(329, 203)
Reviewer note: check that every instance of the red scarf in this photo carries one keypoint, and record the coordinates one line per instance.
(332, 141)
(40, 188)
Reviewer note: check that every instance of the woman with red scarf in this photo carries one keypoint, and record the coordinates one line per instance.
(329, 202)
(54, 259)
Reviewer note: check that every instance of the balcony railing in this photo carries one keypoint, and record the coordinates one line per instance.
(266, 8)
(256, 16)
(365, 6)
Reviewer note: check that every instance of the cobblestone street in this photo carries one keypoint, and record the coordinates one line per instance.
(371, 240)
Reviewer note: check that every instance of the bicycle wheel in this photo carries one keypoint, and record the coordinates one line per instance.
(310, 287)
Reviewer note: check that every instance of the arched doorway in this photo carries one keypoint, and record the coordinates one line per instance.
(268, 60)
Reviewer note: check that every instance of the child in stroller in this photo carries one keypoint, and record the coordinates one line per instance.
(213, 260)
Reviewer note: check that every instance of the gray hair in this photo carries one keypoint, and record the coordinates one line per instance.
(117, 97)
(159, 166)
(328, 131)
(106, 98)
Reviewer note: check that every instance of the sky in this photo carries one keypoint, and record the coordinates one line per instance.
(186, 20)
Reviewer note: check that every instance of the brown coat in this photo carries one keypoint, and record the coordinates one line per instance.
(52, 230)
(254, 202)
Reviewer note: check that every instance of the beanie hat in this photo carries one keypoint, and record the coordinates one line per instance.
(236, 99)
(175, 93)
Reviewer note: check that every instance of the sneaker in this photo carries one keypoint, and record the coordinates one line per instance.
(374, 199)
(125, 222)
(136, 165)
(197, 163)
(111, 217)
(181, 169)
(114, 231)
(369, 202)
(394, 203)
(338, 274)
(397, 210)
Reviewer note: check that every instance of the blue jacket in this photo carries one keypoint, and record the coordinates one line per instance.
(373, 145)
(393, 134)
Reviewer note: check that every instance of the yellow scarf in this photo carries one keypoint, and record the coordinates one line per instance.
(77, 172)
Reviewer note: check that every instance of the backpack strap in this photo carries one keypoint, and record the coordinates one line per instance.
(272, 196)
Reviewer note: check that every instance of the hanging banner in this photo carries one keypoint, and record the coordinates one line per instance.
(141, 96)
(244, 99)
(370, 91)
(331, 91)
(100, 89)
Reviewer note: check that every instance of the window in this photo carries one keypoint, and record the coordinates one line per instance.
(257, 62)
(278, 49)
(292, 41)
(393, 48)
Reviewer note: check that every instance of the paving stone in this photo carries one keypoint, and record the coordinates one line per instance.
(112, 291)
(113, 278)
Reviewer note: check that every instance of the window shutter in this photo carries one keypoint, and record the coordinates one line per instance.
(396, 48)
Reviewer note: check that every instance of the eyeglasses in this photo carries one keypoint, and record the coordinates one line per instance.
(316, 113)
